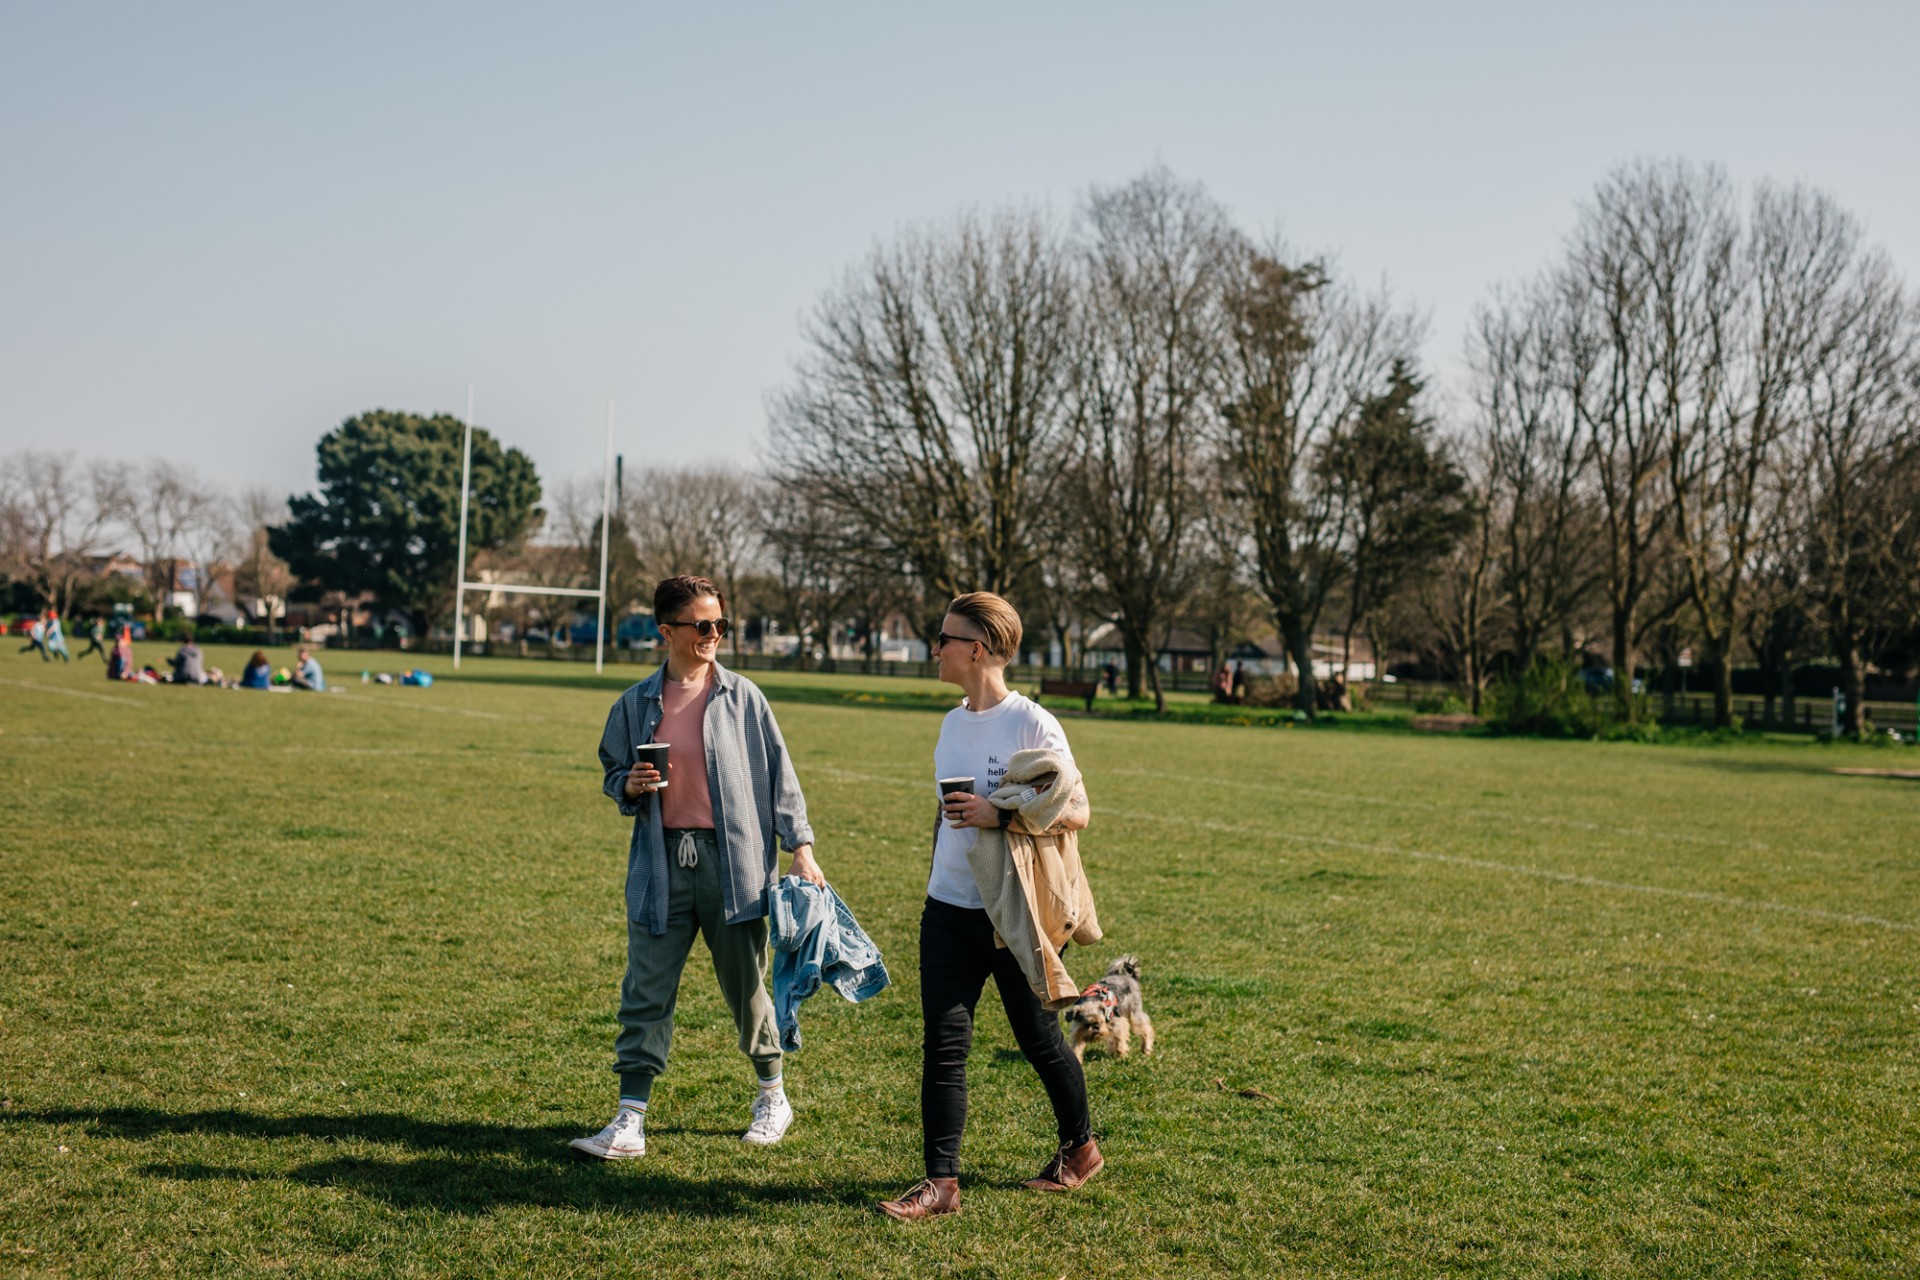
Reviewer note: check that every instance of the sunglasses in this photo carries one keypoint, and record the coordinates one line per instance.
(942, 640)
(705, 626)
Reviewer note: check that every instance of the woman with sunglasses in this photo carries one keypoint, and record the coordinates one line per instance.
(978, 637)
(701, 859)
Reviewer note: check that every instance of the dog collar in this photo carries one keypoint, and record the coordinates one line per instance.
(1103, 993)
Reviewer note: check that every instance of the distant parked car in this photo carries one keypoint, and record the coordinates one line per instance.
(636, 631)
(1599, 680)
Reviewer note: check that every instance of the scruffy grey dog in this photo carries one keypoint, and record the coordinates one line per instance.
(1109, 1012)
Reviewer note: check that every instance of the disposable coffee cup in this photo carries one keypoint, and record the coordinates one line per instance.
(655, 754)
(949, 785)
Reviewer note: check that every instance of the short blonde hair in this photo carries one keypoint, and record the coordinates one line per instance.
(998, 622)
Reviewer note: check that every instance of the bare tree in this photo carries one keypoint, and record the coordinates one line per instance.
(161, 505)
(1462, 598)
(1303, 352)
(59, 510)
(930, 413)
(259, 575)
(808, 582)
(1536, 503)
(214, 543)
(1153, 256)
(564, 552)
(1722, 457)
(14, 528)
(1649, 280)
(704, 519)
(1858, 403)
(1780, 630)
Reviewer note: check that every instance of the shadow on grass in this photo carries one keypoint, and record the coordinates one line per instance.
(458, 1168)
(1813, 764)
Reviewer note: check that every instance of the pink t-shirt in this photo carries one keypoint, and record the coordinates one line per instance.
(683, 713)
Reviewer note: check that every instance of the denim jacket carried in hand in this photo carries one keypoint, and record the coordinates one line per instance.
(816, 939)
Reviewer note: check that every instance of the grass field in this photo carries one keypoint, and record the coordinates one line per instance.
(321, 984)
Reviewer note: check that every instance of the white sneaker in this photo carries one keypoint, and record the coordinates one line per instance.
(772, 1113)
(623, 1139)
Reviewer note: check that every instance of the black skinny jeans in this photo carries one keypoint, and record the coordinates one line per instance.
(956, 957)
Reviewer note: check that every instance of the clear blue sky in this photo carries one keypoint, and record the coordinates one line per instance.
(226, 228)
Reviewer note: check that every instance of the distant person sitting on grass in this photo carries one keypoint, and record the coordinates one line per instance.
(701, 859)
(258, 673)
(189, 667)
(120, 665)
(307, 674)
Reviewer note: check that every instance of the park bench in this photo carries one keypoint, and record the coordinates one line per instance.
(1081, 689)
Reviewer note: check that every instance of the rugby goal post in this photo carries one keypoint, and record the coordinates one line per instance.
(462, 585)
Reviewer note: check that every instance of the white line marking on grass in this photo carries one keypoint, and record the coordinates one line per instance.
(1460, 860)
(420, 706)
(1534, 819)
(1538, 873)
(73, 693)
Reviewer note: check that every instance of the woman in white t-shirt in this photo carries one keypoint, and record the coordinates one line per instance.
(978, 637)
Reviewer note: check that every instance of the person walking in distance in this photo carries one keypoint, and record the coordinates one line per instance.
(55, 639)
(701, 859)
(96, 633)
(958, 947)
(37, 638)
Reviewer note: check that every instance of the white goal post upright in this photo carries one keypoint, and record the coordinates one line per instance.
(461, 585)
(460, 566)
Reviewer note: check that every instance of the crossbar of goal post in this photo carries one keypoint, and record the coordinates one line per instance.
(462, 585)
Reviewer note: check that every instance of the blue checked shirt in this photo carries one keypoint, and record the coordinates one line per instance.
(756, 796)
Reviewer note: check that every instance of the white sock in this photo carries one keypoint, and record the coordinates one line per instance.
(772, 1088)
(634, 1104)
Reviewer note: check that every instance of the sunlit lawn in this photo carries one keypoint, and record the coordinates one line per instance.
(321, 984)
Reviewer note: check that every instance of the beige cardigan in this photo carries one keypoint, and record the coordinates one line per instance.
(1029, 873)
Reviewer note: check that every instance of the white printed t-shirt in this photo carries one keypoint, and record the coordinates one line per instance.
(979, 744)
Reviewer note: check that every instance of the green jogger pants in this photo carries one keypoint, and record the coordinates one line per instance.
(654, 965)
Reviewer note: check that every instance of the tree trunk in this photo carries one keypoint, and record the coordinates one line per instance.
(1669, 676)
(1623, 664)
(1853, 688)
(1786, 691)
(1136, 663)
(1723, 685)
(1471, 658)
(1300, 649)
(1159, 696)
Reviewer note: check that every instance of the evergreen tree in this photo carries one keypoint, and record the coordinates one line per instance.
(386, 515)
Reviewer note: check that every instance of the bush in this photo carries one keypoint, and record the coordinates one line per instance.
(176, 627)
(1552, 699)
(1447, 704)
(1271, 691)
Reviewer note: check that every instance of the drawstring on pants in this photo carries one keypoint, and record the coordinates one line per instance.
(687, 850)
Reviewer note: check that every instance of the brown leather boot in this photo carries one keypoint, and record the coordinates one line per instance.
(927, 1198)
(1069, 1167)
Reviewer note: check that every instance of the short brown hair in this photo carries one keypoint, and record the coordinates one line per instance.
(998, 622)
(676, 593)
